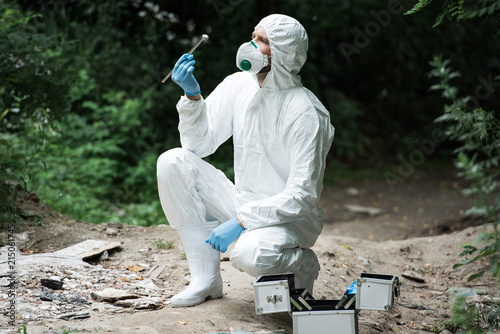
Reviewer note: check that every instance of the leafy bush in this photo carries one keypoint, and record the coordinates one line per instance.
(469, 318)
(83, 114)
(33, 90)
(478, 159)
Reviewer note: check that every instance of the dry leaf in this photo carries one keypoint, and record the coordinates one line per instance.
(135, 269)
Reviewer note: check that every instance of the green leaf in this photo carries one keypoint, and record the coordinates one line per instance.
(475, 276)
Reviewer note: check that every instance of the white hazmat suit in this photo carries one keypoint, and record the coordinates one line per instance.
(281, 134)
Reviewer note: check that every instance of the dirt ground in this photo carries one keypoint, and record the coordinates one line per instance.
(420, 228)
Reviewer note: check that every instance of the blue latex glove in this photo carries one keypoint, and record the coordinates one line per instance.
(183, 75)
(224, 235)
(353, 288)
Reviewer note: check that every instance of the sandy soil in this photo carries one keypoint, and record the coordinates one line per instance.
(420, 229)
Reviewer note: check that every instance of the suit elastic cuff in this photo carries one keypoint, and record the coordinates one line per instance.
(240, 223)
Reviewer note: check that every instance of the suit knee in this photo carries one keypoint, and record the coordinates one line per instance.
(169, 161)
(254, 260)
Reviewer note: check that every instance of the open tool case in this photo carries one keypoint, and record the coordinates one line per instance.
(277, 293)
(377, 292)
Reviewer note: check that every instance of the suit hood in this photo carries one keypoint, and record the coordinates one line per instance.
(289, 43)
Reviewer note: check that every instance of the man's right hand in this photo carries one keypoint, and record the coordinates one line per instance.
(183, 75)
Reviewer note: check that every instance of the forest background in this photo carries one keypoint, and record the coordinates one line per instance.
(84, 115)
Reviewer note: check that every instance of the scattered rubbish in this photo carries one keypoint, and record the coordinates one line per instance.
(49, 259)
(45, 295)
(354, 208)
(52, 283)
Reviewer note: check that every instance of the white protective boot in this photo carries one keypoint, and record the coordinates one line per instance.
(308, 271)
(204, 265)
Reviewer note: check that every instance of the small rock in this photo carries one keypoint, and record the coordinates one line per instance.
(5, 281)
(22, 238)
(112, 232)
(52, 283)
(114, 225)
(104, 256)
(414, 276)
(414, 257)
(366, 262)
(351, 191)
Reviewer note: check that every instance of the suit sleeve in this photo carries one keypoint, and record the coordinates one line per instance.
(205, 124)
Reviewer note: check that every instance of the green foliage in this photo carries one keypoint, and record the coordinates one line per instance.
(348, 143)
(478, 158)
(487, 8)
(69, 330)
(26, 56)
(418, 6)
(160, 244)
(83, 115)
(469, 318)
(454, 9)
(22, 329)
(8, 207)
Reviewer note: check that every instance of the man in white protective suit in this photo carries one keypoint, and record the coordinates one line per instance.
(281, 134)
